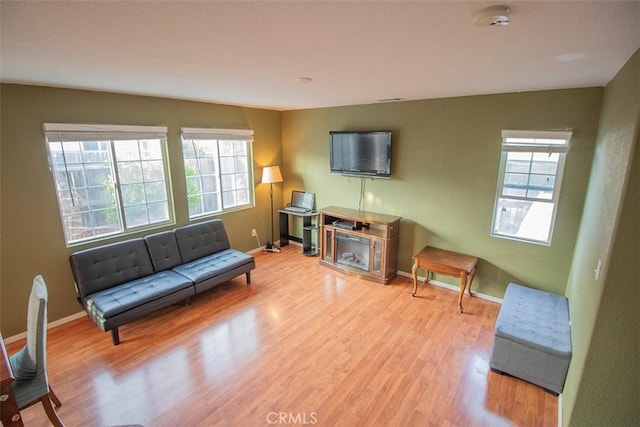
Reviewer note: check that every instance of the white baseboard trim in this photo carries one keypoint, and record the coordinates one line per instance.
(451, 287)
(560, 410)
(51, 325)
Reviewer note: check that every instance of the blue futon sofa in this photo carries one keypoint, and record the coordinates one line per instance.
(123, 281)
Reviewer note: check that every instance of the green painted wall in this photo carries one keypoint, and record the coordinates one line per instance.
(446, 156)
(603, 385)
(32, 238)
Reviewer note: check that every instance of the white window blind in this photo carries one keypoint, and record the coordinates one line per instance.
(538, 141)
(87, 132)
(218, 134)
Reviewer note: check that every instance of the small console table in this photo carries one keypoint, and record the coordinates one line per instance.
(308, 227)
(448, 263)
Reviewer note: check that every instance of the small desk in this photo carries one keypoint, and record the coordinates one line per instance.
(307, 226)
(445, 262)
(9, 412)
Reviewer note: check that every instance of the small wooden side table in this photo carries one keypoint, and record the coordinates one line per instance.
(445, 262)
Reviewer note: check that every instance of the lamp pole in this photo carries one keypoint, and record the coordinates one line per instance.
(271, 245)
(271, 175)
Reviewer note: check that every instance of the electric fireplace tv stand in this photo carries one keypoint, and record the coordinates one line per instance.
(359, 242)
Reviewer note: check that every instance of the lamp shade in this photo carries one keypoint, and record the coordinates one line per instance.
(271, 174)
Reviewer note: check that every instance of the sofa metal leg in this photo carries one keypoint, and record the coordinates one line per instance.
(115, 337)
(248, 277)
(187, 301)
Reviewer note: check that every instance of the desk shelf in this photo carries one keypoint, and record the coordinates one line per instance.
(309, 231)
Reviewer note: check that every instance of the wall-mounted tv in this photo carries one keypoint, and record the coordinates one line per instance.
(360, 153)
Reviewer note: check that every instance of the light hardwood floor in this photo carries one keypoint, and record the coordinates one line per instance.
(302, 345)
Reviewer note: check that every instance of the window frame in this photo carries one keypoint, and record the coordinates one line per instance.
(533, 142)
(60, 133)
(219, 136)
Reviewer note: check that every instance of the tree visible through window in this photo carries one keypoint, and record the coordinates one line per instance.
(109, 179)
(529, 184)
(218, 169)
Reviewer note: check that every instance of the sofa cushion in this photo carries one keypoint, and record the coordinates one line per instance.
(163, 249)
(103, 267)
(214, 264)
(202, 239)
(118, 299)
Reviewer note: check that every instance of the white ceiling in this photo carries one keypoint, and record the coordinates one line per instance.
(357, 52)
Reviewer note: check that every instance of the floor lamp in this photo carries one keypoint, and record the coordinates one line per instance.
(271, 175)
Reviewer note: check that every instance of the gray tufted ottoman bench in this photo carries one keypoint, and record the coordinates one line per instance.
(533, 337)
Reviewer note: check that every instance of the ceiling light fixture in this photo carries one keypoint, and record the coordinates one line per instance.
(493, 16)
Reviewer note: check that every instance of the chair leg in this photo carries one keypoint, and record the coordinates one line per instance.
(54, 398)
(51, 412)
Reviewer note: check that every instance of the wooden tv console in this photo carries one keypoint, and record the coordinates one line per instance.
(359, 242)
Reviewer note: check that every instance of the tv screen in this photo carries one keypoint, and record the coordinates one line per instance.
(361, 153)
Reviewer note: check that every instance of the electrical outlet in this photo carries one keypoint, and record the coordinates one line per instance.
(254, 233)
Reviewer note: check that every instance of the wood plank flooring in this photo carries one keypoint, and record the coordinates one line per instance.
(302, 345)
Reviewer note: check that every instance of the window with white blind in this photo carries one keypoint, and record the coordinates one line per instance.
(109, 179)
(218, 170)
(531, 170)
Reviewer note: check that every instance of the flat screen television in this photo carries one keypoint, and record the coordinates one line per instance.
(360, 153)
